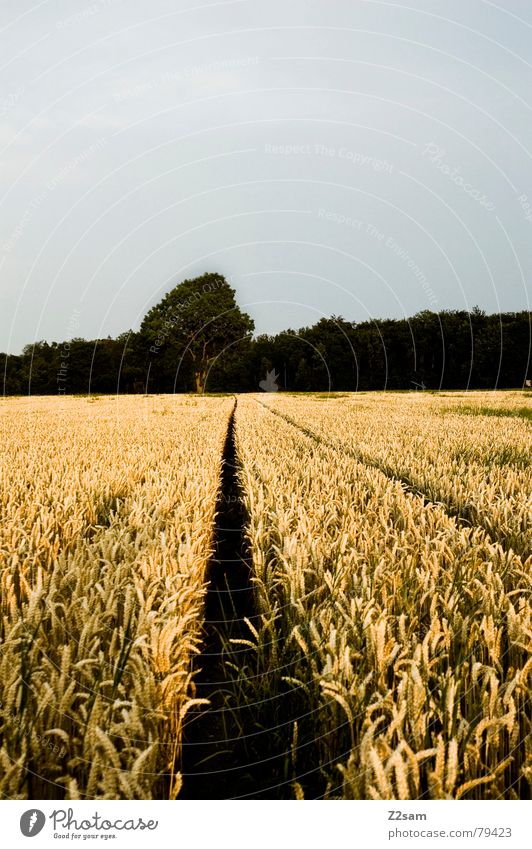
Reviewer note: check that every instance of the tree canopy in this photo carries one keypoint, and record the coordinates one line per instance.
(197, 323)
(198, 339)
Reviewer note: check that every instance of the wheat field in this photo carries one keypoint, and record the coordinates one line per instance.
(406, 628)
(388, 537)
(107, 519)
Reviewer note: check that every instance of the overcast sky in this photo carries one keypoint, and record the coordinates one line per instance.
(346, 157)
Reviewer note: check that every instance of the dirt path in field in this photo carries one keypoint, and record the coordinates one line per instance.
(225, 756)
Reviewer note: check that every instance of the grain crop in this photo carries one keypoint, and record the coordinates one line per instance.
(107, 512)
(470, 451)
(396, 640)
(386, 653)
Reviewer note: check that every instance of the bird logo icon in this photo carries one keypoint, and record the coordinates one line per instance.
(270, 384)
(32, 822)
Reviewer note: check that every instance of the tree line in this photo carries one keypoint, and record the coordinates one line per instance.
(197, 339)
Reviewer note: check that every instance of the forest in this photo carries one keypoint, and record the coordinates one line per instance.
(197, 339)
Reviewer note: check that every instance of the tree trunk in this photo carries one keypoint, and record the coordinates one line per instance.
(199, 378)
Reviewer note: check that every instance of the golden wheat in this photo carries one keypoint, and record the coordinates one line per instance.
(401, 626)
(408, 633)
(477, 465)
(107, 519)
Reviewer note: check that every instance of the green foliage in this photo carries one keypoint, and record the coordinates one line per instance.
(499, 412)
(198, 321)
(197, 339)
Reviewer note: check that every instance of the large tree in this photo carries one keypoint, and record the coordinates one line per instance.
(198, 322)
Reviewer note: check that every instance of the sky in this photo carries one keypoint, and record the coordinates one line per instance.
(330, 157)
